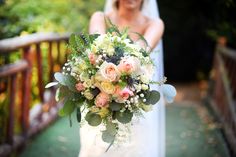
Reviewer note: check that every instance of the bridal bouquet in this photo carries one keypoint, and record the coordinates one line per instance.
(106, 79)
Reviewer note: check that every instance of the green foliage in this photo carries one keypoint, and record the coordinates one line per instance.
(17, 16)
(68, 107)
(124, 117)
(152, 97)
(93, 119)
(110, 133)
(66, 80)
(114, 106)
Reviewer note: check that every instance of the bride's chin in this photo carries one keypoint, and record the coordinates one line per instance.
(130, 7)
(130, 4)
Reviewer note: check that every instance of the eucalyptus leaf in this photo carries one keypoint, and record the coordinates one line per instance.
(124, 117)
(70, 82)
(69, 106)
(114, 106)
(107, 137)
(66, 80)
(111, 128)
(61, 112)
(51, 84)
(152, 97)
(93, 119)
(169, 92)
(60, 78)
(61, 93)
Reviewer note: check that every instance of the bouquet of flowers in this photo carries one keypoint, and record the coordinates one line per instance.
(106, 79)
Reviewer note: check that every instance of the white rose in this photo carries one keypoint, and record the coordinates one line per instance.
(147, 71)
(129, 65)
(109, 72)
(144, 79)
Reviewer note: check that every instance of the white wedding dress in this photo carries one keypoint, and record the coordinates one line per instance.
(147, 137)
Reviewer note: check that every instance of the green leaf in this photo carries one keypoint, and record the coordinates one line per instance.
(124, 117)
(72, 40)
(92, 37)
(107, 137)
(152, 97)
(70, 82)
(114, 106)
(145, 107)
(51, 84)
(80, 41)
(111, 128)
(60, 78)
(93, 119)
(61, 112)
(122, 84)
(69, 106)
(78, 115)
(61, 93)
(66, 80)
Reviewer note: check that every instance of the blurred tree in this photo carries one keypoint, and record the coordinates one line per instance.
(29, 16)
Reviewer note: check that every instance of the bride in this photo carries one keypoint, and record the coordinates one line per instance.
(147, 137)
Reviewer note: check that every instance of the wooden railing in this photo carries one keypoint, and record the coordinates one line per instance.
(16, 86)
(224, 91)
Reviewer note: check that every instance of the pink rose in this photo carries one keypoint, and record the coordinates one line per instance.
(123, 94)
(80, 87)
(109, 71)
(128, 65)
(92, 58)
(102, 100)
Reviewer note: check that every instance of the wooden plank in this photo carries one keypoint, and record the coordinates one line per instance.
(11, 44)
(11, 69)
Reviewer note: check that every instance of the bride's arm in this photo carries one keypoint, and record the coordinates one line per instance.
(97, 23)
(154, 32)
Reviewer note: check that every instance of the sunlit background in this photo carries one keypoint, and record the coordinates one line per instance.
(193, 29)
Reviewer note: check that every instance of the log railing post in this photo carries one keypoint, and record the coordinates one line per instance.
(58, 53)
(40, 72)
(11, 107)
(50, 61)
(26, 84)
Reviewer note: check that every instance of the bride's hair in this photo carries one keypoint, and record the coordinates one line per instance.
(116, 4)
